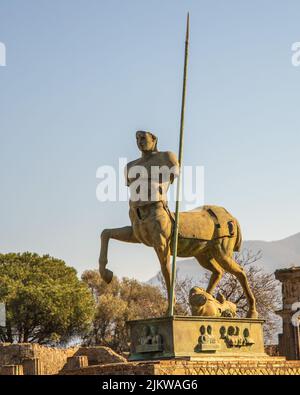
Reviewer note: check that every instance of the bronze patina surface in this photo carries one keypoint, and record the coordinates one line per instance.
(204, 304)
(210, 234)
(196, 337)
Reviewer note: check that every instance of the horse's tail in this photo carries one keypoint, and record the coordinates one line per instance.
(238, 240)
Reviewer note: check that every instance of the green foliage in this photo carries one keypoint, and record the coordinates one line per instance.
(118, 302)
(45, 300)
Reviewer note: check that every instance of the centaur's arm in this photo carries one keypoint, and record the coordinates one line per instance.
(173, 165)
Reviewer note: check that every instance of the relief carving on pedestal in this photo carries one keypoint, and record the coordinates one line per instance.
(233, 337)
(207, 341)
(150, 340)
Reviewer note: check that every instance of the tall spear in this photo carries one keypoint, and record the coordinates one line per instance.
(178, 192)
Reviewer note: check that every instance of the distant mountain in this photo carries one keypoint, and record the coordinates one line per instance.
(275, 255)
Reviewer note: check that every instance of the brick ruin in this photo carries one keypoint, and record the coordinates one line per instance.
(266, 366)
(35, 359)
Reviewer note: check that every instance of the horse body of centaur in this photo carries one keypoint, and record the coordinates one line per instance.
(201, 235)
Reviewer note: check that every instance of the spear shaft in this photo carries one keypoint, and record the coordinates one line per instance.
(178, 192)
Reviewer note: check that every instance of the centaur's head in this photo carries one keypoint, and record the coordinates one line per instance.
(146, 141)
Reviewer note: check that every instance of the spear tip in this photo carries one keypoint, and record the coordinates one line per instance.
(187, 26)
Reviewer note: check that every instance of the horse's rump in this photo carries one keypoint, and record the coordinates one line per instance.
(207, 223)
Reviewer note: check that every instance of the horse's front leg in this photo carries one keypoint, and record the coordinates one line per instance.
(123, 234)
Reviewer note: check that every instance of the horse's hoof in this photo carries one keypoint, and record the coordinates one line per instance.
(252, 314)
(107, 275)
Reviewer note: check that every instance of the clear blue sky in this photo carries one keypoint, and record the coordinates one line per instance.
(82, 76)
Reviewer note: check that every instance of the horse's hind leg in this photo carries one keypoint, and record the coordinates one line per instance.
(123, 234)
(212, 265)
(222, 252)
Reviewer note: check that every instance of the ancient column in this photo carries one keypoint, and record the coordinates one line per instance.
(33, 366)
(11, 370)
(289, 339)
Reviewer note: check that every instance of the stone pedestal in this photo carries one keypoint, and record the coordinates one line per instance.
(195, 338)
(289, 340)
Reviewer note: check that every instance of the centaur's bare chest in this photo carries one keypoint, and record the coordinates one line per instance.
(151, 167)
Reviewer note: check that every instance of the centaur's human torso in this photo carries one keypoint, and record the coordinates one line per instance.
(149, 179)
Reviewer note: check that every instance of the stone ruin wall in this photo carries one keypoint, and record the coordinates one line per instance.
(53, 360)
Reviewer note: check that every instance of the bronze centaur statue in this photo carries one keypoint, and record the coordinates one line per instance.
(210, 234)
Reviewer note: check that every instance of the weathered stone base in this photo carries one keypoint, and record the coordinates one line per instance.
(196, 338)
(266, 366)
